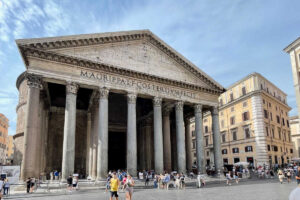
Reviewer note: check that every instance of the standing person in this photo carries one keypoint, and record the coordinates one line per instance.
(147, 179)
(114, 186)
(280, 176)
(228, 178)
(107, 183)
(298, 176)
(182, 181)
(28, 184)
(124, 182)
(288, 175)
(70, 182)
(75, 182)
(6, 187)
(129, 187)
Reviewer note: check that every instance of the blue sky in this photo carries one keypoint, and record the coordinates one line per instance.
(227, 39)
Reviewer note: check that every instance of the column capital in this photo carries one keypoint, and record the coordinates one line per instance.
(157, 101)
(166, 111)
(131, 97)
(72, 87)
(198, 108)
(103, 93)
(34, 81)
(214, 110)
(179, 105)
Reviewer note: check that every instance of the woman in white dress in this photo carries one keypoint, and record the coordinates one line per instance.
(129, 187)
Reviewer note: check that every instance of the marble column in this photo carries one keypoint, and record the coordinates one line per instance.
(91, 145)
(199, 139)
(68, 158)
(158, 136)
(88, 143)
(148, 131)
(131, 136)
(216, 140)
(102, 153)
(180, 138)
(31, 131)
(95, 138)
(167, 140)
(188, 144)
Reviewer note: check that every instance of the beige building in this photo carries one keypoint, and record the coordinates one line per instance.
(98, 102)
(10, 149)
(254, 124)
(295, 134)
(3, 137)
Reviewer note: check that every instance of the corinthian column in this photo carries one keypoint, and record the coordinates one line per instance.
(69, 131)
(216, 139)
(180, 138)
(167, 139)
(188, 143)
(30, 154)
(158, 137)
(102, 154)
(131, 135)
(199, 139)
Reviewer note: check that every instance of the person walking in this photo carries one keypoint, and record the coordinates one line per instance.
(108, 183)
(6, 187)
(280, 175)
(114, 186)
(129, 187)
(228, 178)
(147, 179)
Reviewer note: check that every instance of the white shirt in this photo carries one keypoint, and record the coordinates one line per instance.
(295, 194)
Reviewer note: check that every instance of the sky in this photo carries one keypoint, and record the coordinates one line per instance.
(227, 39)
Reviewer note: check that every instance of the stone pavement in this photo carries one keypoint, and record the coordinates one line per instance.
(246, 190)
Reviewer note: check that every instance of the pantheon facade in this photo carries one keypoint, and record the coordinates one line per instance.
(122, 100)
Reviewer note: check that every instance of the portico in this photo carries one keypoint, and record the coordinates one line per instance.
(113, 101)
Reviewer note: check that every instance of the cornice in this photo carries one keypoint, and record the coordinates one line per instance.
(71, 60)
(68, 42)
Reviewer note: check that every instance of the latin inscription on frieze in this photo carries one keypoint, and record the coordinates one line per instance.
(138, 85)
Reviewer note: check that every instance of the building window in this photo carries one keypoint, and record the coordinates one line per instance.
(206, 129)
(264, 101)
(193, 133)
(289, 135)
(284, 136)
(283, 123)
(206, 141)
(266, 114)
(291, 150)
(207, 153)
(235, 150)
(244, 91)
(194, 144)
(275, 148)
(269, 147)
(245, 104)
(267, 131)
(232, 109)
(224, 151)
(233, 132)
(245, 116)
(279, 133)
(271, 116)
(248, 149)
(236, 160)
(270, 105)
(224, 137)
(288, 123)
(273, 133)
(232, 120)
(231, 96)
(261, 86)
(247, 132)
(278, 119)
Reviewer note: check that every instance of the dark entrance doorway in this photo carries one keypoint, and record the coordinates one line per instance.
(116, 150)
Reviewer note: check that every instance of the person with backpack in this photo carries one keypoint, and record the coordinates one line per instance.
(288, 175)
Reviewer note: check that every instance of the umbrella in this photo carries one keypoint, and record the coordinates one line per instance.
(242, 163)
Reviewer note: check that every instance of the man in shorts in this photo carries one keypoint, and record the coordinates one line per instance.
(114, 186)
(69, 182)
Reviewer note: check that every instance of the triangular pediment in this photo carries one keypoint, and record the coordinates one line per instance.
(139, 51)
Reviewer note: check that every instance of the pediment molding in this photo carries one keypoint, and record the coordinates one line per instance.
(98, 39)
(28, 52)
